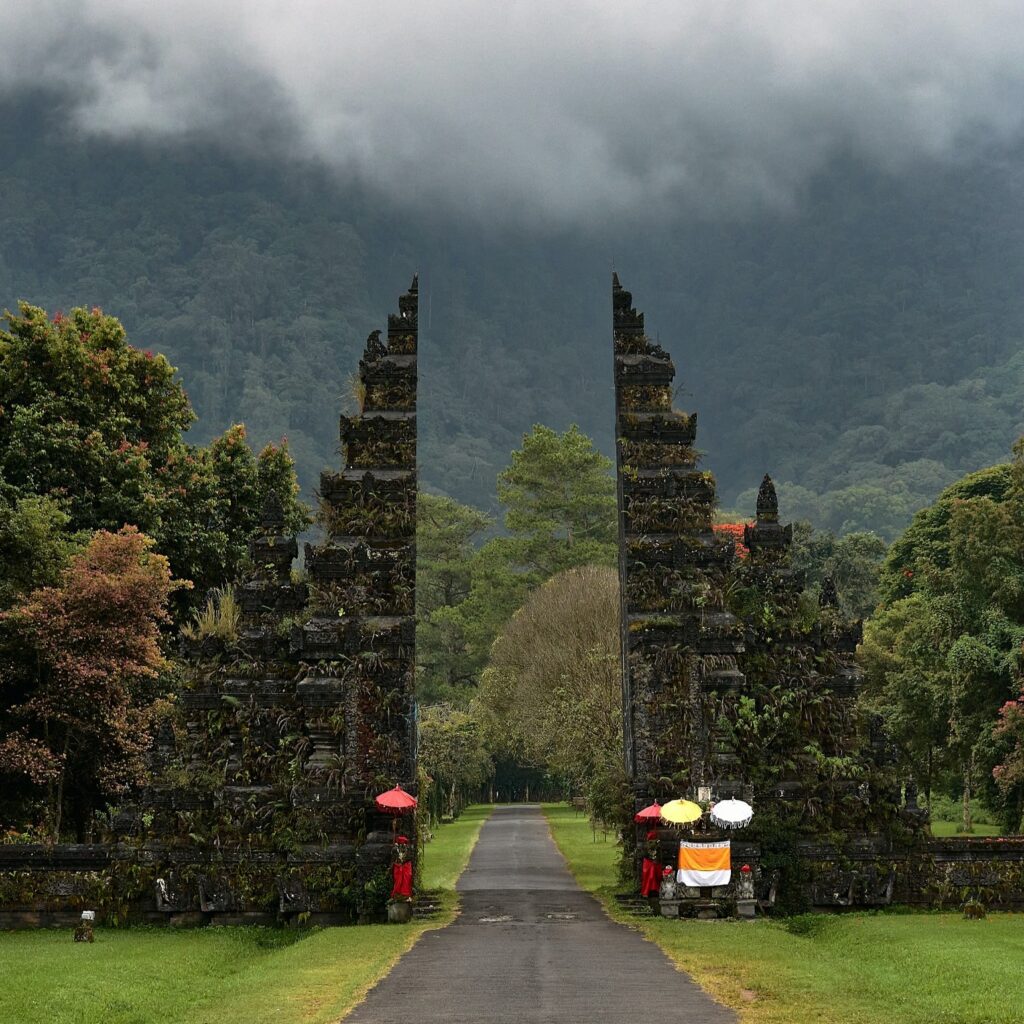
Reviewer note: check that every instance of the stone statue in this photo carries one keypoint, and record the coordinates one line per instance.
(375, 347)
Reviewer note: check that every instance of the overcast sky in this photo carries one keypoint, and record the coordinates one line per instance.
(551, 111)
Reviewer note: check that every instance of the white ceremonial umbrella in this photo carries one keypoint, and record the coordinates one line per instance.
(731, 814)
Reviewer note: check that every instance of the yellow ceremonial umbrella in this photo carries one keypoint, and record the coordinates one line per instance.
(681, 812)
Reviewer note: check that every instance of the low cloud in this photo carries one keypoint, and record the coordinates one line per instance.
(539, 111)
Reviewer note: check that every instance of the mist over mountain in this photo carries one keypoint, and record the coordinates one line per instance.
(861, 340)
(536, 112)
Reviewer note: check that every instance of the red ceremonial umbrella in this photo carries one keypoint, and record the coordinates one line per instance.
(395, 801)
(648, 814)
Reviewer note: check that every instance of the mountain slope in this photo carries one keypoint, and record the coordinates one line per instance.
(865, 348)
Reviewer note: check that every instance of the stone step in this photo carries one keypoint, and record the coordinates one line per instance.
(638, 906)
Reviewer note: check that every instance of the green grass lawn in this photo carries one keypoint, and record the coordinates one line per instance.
(871, 968)
(447, 854)
(949, 828)
(217, 975)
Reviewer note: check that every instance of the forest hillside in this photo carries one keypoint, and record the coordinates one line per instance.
(863, 346)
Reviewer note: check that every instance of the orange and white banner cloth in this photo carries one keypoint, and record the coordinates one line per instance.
(703, 864)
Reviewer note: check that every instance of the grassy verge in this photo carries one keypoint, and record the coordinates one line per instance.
(949, 828)
(218, 975)
(447, 854)
(871, 968)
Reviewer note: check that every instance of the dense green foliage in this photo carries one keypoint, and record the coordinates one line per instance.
(86, 417)
(91, 439)
(943, 654)
(447, 662)
(453, 758)
(854, 561)
(35, 545)
(77, 664)
(551, 694)
(925, 544)
(863, 346)
(558, 498)
(91, 453)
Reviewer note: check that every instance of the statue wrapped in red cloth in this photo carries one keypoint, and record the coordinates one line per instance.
(401, 871)
(650, 872)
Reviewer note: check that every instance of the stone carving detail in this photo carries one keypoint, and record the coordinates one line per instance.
(214, 895)
(678, 640)
(169, 899)
(375, 348)
(767, 501)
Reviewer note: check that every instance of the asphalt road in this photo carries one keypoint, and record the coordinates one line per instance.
(530, 947)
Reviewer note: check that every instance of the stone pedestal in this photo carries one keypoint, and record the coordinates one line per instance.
(399, 912)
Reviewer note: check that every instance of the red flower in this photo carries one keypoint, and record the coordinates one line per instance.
(733, 532)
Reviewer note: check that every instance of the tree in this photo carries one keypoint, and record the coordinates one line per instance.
(854, 561)
(211, 507)
(986, 577)
(551, 694)
(910, 684)
(560, 512)
(77, 658)
(498, 586)
(445, 534)
(275, 474)
(85, 417)
(924, 544)
(452, 753)
(95, 426)
(559, 498)
(1009, 772)
(35, 546)
(943, 655)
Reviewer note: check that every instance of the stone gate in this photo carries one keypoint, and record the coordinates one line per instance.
(260, 808)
